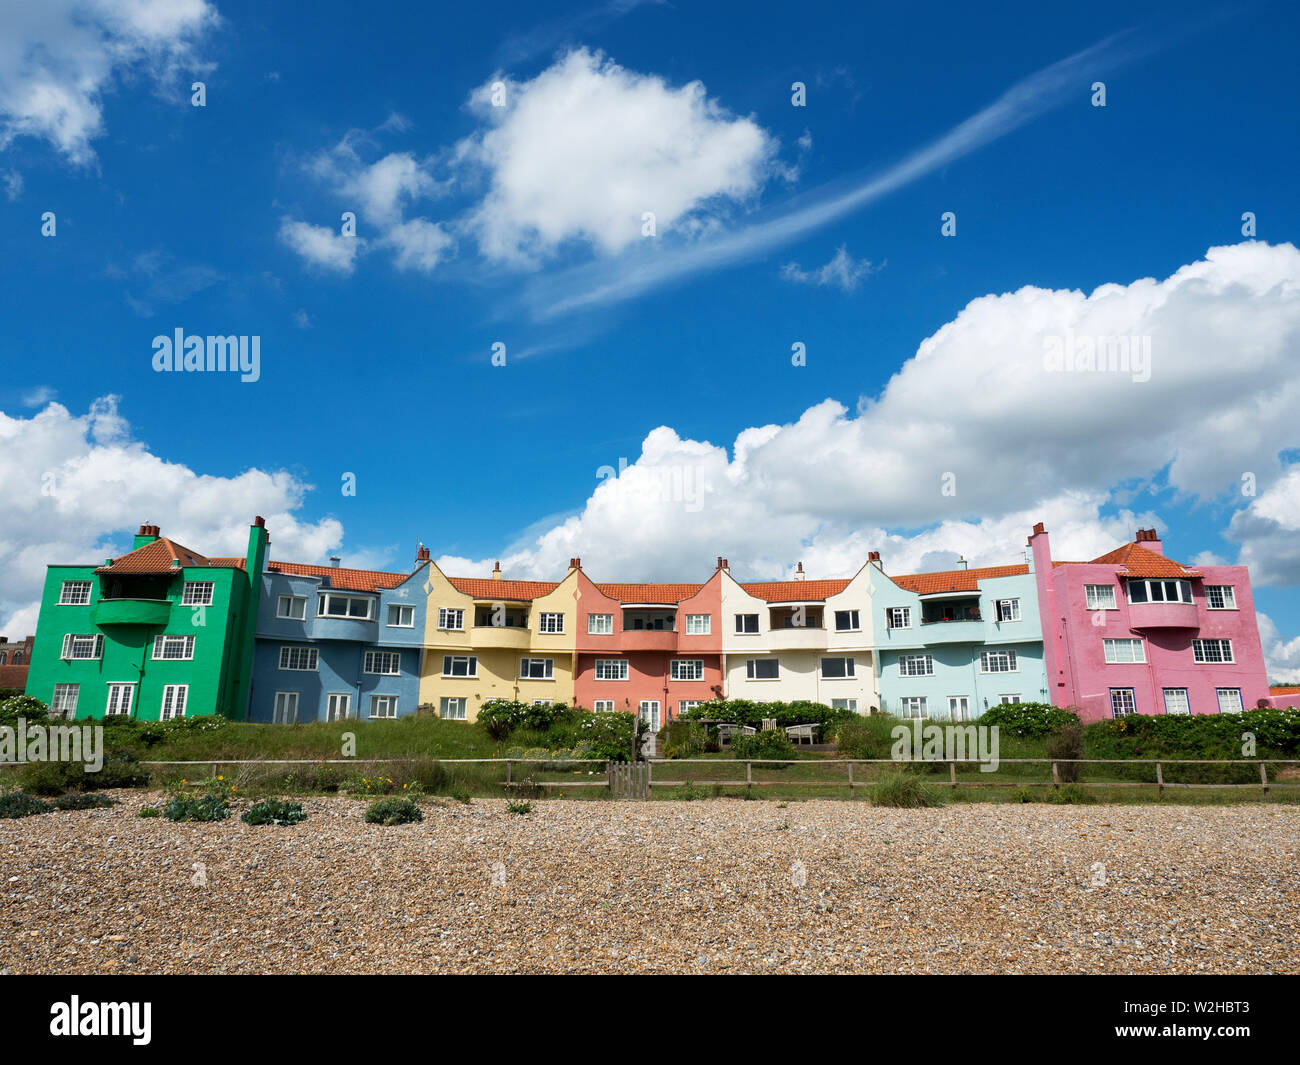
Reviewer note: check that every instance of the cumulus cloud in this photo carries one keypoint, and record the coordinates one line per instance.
(581, 151)
(320, 246)
(59, 57)
(842, 270)
(1281, 656)
(84, 484)
(977, 437)
(1269, 531)
(419, 244)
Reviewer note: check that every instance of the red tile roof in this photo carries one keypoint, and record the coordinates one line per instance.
(1284, 689)
(156, 557)
(1140, 561)
(649, 593)
(804, 591)
(490, 588)
(955, 580)
(351, 580)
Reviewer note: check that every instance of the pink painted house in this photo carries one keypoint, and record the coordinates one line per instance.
(650, 649)
(1136, 632)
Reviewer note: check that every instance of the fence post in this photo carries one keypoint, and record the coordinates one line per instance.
(952, 773)
(850, 780)
(1160, 779)
(1056, 777)
(649, 775)
(1263, 778)
(609, 776)
(214, 770)
(509, 779)
(749, 777)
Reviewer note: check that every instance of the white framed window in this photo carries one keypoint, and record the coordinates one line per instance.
(383, 706)
(912, 705)
(959, 708)
(915, 665)
(197, 593)
(1176, 701)
(603, 706)
(649, 713)
(173, 648)
(1160, 591)
(762, 669)
(77, 646)
(353, 607)
(536, 668)
(1011, 697)
(338, 706)
(401, 616)
(74, 593)
(1229, 700)
(1212, 650)
(1220, 597)
(1122, 702)
(385, 663)
(121, 698)
(286, 708)
(600, 624)
(552, 623)
(174, 698)
(611, 669)
(687, 669)
(64, 702)
(543, 702)
(451, 708)
(451, 618)
(847, 621)
(460, 665)
(838, 669)
(299, 658)
(1125, 650)
(1008, 610)
(999, 662)
(1100, 596)
(844, 704)
(699, 624)
(746, 623)
(293, 607)
(898, 617)
(682, 705)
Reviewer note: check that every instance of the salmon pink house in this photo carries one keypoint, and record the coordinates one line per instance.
(1135, 632)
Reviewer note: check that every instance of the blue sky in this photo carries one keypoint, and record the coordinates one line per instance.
(470, 231)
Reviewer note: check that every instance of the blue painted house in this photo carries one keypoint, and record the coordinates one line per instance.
(334, 643)
(953, 643)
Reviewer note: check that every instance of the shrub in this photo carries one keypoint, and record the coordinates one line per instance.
(1069, 795)
(23, 706)
(50, 778)
(609, 734)
(149, 811)
(749, 712)
(397, 810)
(187, 808)
(683, 739)
(500, 717)
(905, 791)
(1022, 794)
(520, 808)
(1067, 742)
(89, 800)
(867, 737)
(768, 744)
(120, 770)
(20, 804)
(1028, 719)
(274, 812)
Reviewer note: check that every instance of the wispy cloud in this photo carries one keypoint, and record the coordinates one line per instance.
(842, 270)
(550, 36)
(612, 281)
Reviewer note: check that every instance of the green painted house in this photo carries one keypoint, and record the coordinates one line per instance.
(160, 632)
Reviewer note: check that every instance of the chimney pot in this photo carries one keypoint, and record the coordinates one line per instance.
(1038, 528)
(335, 560)
(259, 521)
(496, 572)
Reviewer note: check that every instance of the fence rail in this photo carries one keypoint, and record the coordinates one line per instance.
(633, 780)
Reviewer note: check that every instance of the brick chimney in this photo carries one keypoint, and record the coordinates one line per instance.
(496, 572)
(421, 556)
(799, 573)
(874, 556)
(147, 535)
(1149, 539)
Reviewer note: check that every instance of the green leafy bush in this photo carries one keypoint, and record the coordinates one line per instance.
(187, 808)
(749, 712)
(274, 812)
(20, 804)
(867, 737)
(500, 717)
(50, 778)
(772, 743)
(89, 800)
(905, 791)
(685, 739)
(609, 734)
(520, 808)
(1028, 719)
(149, 811)
(23, 706)
(1069, 795)
(395, 810)
(121, 769)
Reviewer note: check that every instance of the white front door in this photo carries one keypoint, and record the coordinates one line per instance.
(650, 713)
(338, 707)
(958, 708)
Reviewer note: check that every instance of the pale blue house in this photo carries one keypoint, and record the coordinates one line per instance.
(951, 644)
(334, 643)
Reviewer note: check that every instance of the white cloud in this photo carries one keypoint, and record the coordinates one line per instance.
(85, 485)
(13, 185)
(59, 57)
(842, 270)
(420, 244)
(581, 151)
(320, 246)
(1269, 530)
(1281, 656)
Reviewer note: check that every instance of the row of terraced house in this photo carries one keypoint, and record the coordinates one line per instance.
(163, 631)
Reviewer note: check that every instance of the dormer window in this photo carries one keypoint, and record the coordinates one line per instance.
(356, 608)
(1160, 592)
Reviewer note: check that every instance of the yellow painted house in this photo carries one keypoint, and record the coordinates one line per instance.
(490, 638)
